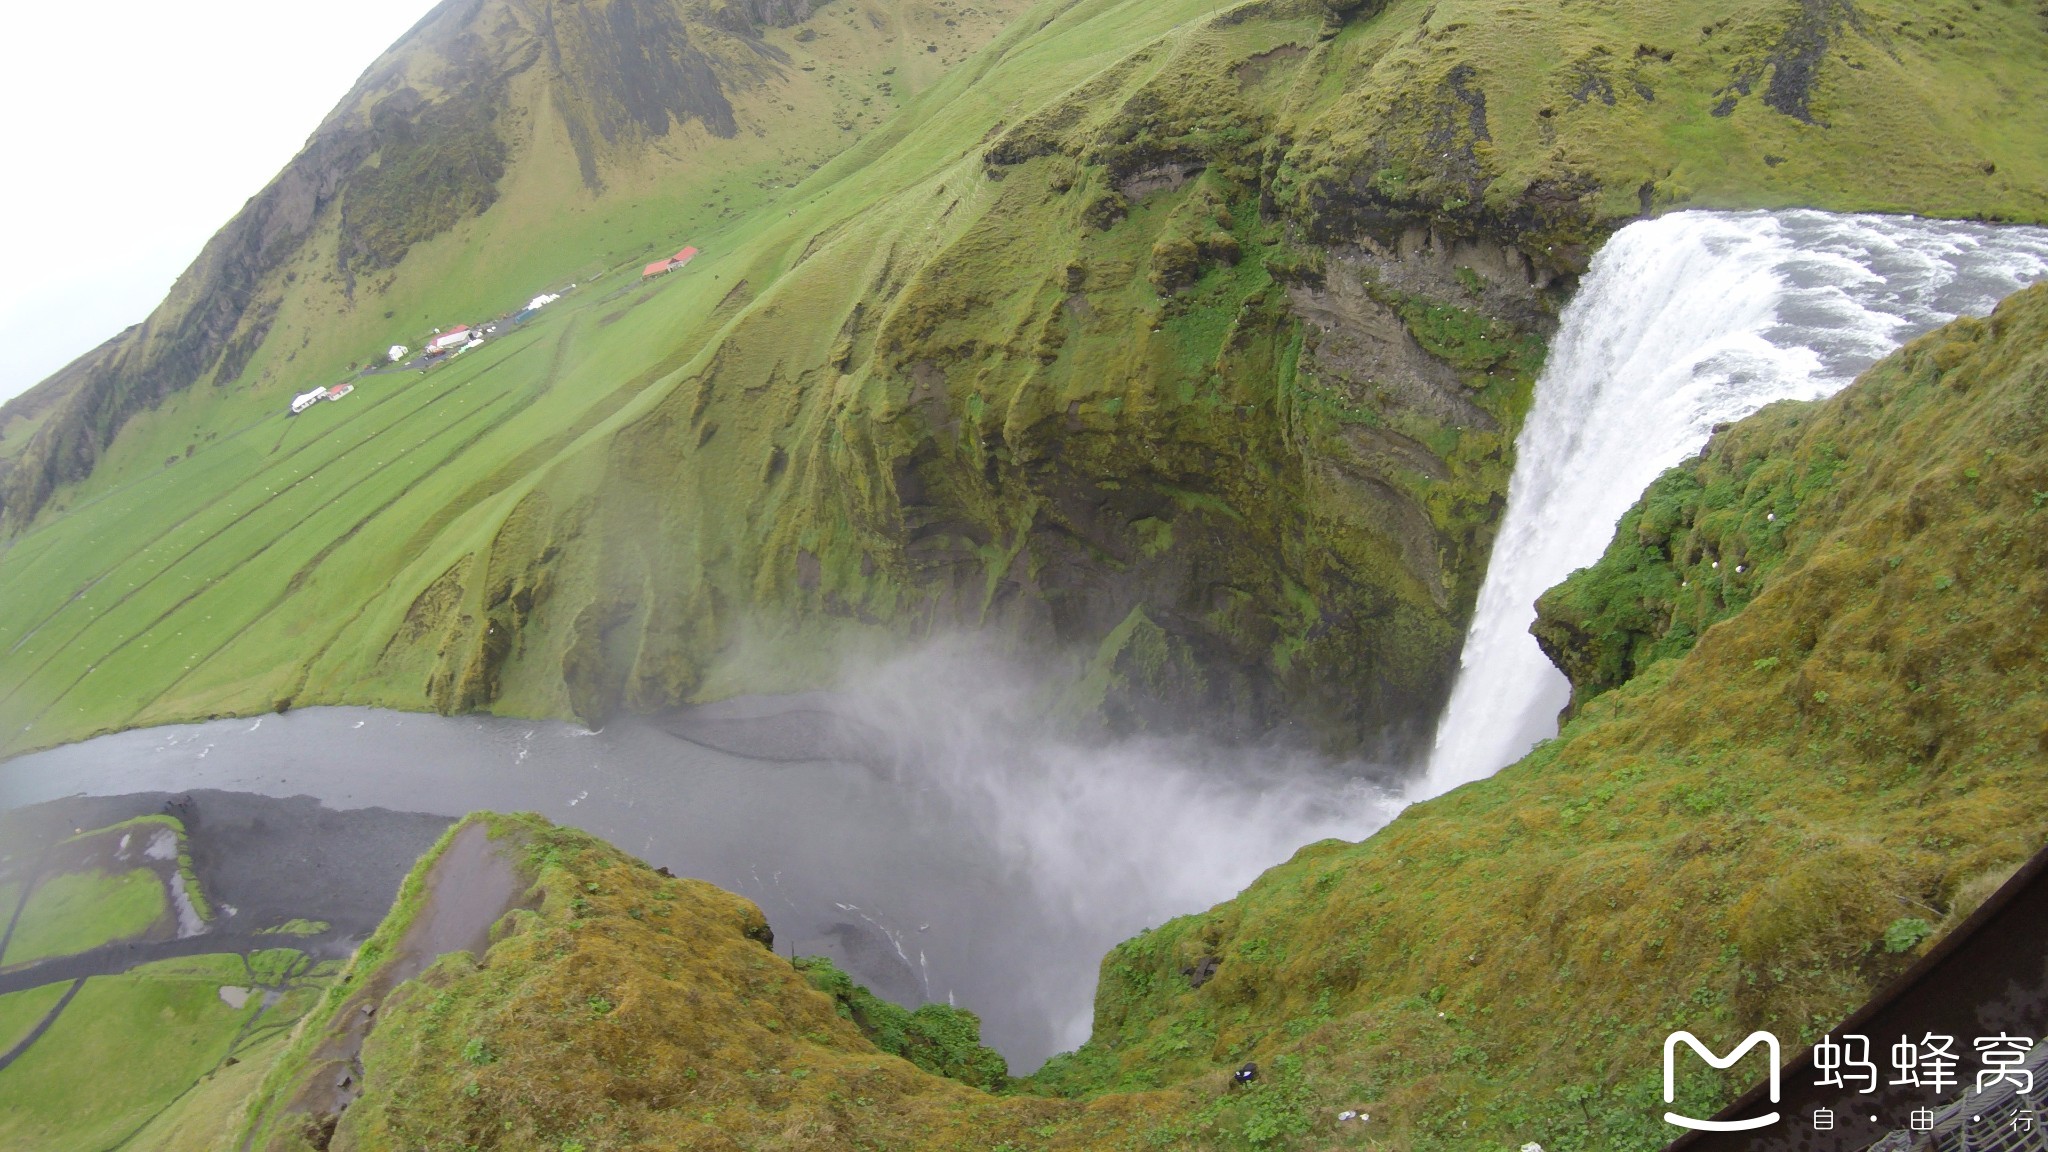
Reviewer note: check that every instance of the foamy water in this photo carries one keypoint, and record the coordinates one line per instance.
(1682, 323)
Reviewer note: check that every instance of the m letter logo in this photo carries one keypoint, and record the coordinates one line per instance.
(1770, 1044)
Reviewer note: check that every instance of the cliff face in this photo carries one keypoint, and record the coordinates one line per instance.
(1212, 369)
(1186, 344)
(1753, 826)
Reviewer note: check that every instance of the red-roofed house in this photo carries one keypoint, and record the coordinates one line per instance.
(663, 267)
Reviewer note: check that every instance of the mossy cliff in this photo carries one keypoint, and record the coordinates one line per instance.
(1202, 360)
(1785, 763)
(1185, 341)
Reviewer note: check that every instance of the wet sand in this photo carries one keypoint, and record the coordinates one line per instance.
(261, 862)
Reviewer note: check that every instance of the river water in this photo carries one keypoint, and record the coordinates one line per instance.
(919, 828)
(1684, 322)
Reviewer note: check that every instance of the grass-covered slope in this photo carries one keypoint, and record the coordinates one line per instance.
(1754, 833)
(619, 1008)
(496, 149)
(1188, 338)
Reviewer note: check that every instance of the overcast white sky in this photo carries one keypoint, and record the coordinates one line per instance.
(130, 131)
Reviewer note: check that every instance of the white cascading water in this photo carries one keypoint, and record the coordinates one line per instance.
(1682, 323)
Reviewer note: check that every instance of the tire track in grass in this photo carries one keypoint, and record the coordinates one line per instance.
(42, 1026)
(246, 429)
(364, 413)
(604, 408)
(306, 570)
(499, 479)
(405, 421)
(202, 510)
(215, 579)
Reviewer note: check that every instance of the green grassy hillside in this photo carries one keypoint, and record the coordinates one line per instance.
(619, 1008)
(1186, 338)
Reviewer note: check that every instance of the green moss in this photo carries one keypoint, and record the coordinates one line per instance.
(939, 1038)
(658, 996)
(298, 927)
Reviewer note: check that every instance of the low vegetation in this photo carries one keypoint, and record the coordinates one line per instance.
(622, 1008)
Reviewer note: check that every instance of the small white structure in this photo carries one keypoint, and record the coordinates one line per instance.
(398, 352)
(305, 400)
(541, 301)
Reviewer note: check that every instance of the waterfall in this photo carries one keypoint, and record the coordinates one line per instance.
(1682, 323)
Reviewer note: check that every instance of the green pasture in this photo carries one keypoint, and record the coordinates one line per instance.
(144, 1056)
(21, 1011)
(78, 911)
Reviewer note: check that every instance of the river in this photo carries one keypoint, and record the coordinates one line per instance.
(921, 830)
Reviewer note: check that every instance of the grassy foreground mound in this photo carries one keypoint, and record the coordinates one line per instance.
(1188, 339)
(618, 1008)
(1754, 833)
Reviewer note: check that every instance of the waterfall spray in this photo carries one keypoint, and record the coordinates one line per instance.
(1683, 323)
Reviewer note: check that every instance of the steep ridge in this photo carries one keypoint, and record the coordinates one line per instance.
(1775, 783)
(436, 132)
(1187, 340)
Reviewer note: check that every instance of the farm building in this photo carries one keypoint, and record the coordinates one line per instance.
(663, 267)
(449, 339)
(305, 400)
